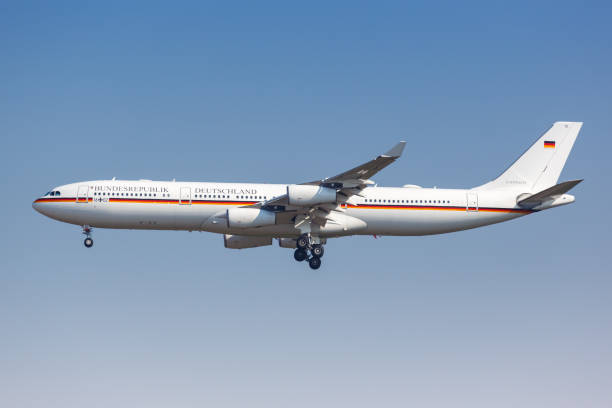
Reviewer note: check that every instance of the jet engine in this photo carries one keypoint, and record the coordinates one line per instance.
(245, 241)
(310, 195)
(249, 218)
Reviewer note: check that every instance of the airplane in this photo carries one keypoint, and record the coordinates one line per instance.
(303, 216)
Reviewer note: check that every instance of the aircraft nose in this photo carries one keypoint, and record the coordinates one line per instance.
(37, 205)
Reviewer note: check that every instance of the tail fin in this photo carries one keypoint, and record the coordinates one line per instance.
(541, 165)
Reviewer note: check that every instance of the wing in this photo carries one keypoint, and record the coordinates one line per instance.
(361, 174)
(348, 183)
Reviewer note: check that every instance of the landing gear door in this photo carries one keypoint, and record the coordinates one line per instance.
(185, 196)
(472, 202)
(82, 194)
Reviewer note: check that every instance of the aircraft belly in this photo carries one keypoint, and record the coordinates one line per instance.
(425, 222)
(72, 213)
(147, 216)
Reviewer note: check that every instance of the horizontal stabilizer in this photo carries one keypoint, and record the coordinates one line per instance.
(550, 193)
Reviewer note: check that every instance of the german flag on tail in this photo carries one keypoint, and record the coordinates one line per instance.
(550, 144)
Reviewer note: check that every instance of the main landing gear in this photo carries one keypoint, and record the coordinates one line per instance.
(88, 241)
(304, 246)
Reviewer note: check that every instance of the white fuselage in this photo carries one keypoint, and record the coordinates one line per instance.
(192, 206)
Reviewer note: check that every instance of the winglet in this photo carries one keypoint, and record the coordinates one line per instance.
(397, 150)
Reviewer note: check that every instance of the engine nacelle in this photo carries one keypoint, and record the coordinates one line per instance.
(310, 195)
(249, 218)
(287, 243)
(245, 241)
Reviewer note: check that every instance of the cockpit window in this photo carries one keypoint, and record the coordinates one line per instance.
(57, 193)
(52, 193)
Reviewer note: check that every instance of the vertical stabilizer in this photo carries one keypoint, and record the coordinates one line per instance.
(541, 165)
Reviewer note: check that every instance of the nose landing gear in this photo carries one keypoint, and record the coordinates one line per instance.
(305, 245)
(87, 232)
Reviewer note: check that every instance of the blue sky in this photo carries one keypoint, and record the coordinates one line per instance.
(516, 314)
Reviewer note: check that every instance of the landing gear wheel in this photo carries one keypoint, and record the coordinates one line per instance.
(317, 250)
(88, 242)
(303, 241)
(300, 255)
(314, 262)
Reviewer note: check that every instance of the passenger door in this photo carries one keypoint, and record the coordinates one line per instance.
(82, 194)
(185, 196)
(472, 202)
